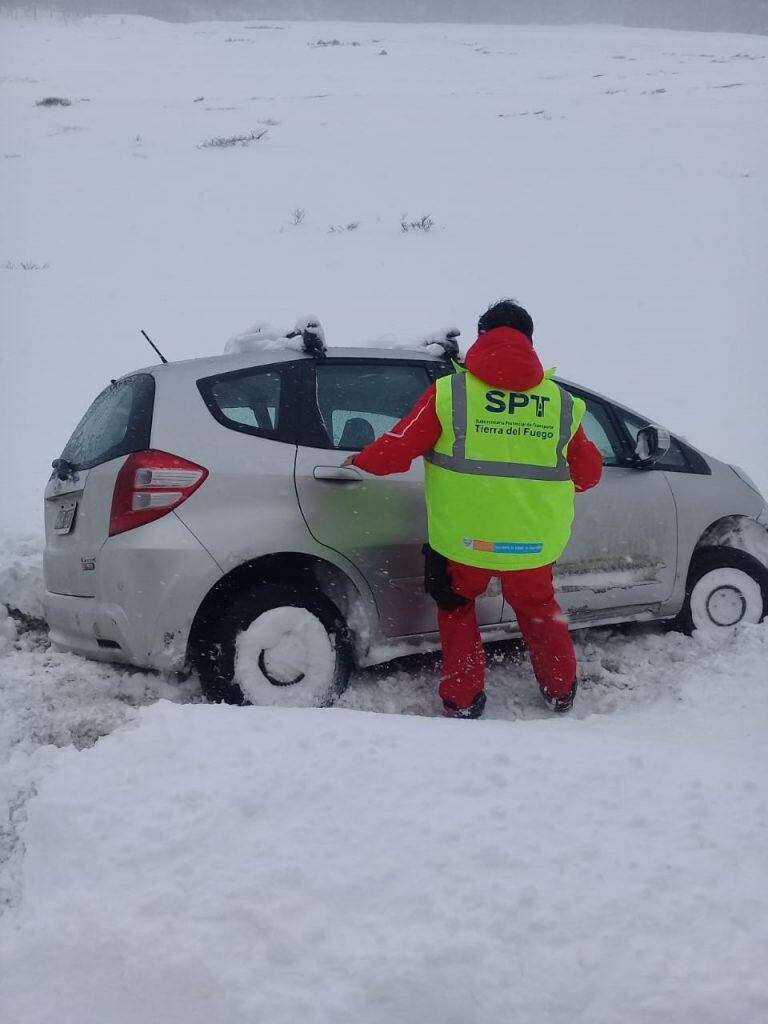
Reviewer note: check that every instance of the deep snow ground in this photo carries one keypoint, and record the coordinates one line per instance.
(202, 862)
(282, 865)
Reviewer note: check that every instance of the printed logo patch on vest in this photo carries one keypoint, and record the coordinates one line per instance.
(502, 547)
(511, 401)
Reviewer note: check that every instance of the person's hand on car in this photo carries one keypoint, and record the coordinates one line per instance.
(349, 461)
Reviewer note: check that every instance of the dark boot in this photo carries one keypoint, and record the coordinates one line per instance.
(475, 709)
(560, 704)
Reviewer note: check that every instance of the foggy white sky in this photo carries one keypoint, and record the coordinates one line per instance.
(708, 15)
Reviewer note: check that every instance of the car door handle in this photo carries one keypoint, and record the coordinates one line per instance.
(338, 474)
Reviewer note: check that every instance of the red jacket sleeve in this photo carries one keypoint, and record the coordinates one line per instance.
(584, 461)
(414, 435)
(418, 432)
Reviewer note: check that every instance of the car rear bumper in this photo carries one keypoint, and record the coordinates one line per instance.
(85, 626)
(150, 583)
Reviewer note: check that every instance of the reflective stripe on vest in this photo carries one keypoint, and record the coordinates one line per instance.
(457, 462)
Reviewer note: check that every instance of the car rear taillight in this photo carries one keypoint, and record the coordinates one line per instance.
(149, 485)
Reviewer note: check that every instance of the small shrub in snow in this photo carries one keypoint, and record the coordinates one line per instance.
(25, 265)
(54, 101)
(335, 229)
(424, 223)
(319, 43)
(529, 113)
(298, 215)
(223, 141)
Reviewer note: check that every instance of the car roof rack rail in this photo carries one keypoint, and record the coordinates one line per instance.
(448, 341)
(312, 335)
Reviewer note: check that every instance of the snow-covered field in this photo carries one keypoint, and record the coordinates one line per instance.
(373, 862)
(611, 179)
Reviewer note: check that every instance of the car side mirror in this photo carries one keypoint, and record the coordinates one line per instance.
(651, 446)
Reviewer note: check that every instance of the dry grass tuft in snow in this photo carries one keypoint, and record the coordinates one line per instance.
(25, 265)
(424, 224)
(320, 43)
(223, 141)
(337, 229)
(54, 101)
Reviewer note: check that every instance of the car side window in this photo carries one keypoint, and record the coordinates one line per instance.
(249, 401)
(597, 425)
(359, 401)
(674, 459)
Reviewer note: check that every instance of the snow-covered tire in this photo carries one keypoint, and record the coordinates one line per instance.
(277, 644)
(725, 587)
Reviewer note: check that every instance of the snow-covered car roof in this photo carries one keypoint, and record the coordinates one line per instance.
(263, 343)
(208, 365)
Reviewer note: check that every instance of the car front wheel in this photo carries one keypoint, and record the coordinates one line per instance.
(725, 588)
(277, 644)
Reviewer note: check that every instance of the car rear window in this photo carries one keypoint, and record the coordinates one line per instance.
(118, 422)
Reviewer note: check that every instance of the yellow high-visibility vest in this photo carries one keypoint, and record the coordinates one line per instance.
(498, 488)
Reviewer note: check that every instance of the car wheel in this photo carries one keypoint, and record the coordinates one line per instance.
(277, 644)
(725, 588)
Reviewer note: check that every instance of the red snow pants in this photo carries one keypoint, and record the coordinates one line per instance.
(531, 595)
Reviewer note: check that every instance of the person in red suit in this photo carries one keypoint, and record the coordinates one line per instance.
(503, 357)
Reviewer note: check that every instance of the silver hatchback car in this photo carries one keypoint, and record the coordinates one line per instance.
(199, 518)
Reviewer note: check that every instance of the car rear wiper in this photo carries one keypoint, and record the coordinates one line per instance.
(64, 469)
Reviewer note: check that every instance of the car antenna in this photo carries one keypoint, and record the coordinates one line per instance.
(154, 346)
